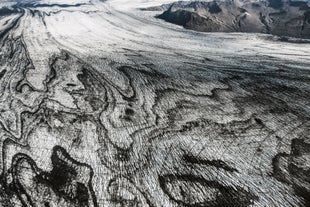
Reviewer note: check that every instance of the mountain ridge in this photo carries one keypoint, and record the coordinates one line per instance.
(276, 17)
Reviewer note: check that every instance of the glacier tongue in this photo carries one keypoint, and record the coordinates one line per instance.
(101, 104)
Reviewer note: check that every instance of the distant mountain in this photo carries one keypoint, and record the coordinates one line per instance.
(282, 18)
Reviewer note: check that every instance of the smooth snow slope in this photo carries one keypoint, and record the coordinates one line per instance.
(107, 28)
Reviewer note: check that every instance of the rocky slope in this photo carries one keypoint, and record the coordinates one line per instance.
(289, 18)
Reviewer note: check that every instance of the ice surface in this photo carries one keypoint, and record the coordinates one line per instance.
(101, 101)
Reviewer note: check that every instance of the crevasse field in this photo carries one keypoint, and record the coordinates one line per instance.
(102, 104)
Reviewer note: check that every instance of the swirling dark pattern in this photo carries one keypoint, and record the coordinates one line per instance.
(148, 125)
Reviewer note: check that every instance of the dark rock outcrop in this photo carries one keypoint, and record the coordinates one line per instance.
(277, 17)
